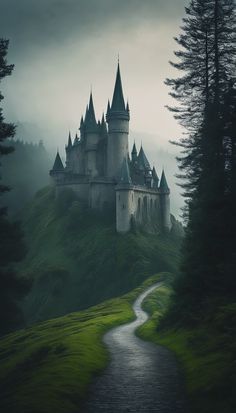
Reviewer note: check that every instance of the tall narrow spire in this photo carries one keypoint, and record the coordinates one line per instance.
(125, 174)
(69, 145)
(155, 178)
(163, 184)
(134, 153)
(90, 119)
(118, 103)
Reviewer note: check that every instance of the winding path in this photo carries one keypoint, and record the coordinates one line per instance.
(141, 376)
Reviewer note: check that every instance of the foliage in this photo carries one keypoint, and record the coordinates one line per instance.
(63, 235)
(206, 353)
(207, 110)
(47, 368)
(12, 248)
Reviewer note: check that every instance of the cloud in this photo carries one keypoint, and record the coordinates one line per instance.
(33, 23)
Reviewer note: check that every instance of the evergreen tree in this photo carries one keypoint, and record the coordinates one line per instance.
(12, 248)
(207, 58)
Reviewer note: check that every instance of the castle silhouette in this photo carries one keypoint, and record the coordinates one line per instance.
(101, 172)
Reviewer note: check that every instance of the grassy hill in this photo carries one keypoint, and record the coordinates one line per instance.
(206, 352)
(47, 367)
(77, 259)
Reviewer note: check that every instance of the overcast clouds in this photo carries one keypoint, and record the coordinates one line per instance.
(62, 47)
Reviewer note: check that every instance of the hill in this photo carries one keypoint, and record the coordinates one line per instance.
(76, 259)
(48, 367)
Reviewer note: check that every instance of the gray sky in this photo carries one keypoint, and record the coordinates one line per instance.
(61, 48)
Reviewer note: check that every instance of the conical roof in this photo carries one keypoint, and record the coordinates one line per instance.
(69, 145)
(163, 184)
(118, 103)
(58, 165)
(143, 161)
(155, 178)
(134, 150)
(125, 173)
(90, 119)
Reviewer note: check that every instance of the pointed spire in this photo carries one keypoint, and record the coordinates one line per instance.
(143, 161)
(163, 184)
(155, 178)
(125, 173)
(58, 165)
(108, 107)
(69, 145)
(90, 122)
(134, 150)
(91, 109)
(118, 103)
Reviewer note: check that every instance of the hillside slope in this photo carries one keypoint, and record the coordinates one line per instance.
(47, 367)
(77, 259)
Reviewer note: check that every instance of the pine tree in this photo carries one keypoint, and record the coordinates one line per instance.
(207, 58)
(12, 248)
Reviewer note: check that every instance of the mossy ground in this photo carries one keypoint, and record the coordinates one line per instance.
(77, 259)
(206, 354)
(47, 368)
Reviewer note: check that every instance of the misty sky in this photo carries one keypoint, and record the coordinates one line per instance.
(62, 48)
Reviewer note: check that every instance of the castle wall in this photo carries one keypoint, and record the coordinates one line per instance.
(125, 208)
(102, 195)
(141, 205)
(91, 154)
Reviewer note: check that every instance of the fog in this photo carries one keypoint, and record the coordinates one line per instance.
(63, 48)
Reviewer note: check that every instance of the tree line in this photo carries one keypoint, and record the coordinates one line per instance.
(206, 96)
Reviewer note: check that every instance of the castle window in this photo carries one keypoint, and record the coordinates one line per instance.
(119, 197)
(123, 206)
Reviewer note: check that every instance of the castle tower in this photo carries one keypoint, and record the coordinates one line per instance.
(57, 171)
(118, 130)
(165, 202)
(91, 131)
(124, 200)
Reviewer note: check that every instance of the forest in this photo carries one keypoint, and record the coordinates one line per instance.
(64, 271)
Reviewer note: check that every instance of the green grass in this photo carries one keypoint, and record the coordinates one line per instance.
(47, 368)
(206, 353)
(77, 259)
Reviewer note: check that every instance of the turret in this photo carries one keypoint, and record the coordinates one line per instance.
(91, 131)
(118, 129)
(125, 205)
(165, 202)
(134, 154)
(155, 179)
(144, 166)
(57, 171)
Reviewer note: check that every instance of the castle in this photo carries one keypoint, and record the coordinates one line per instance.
(103, 175)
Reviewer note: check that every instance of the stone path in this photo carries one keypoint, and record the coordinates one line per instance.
(141, 377)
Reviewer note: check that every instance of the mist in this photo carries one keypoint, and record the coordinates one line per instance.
(63, 49)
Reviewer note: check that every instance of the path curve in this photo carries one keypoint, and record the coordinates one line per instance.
(141, 377)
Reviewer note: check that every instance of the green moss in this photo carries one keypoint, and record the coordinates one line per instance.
(47, 368)
(206, 353)
(63, 236)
